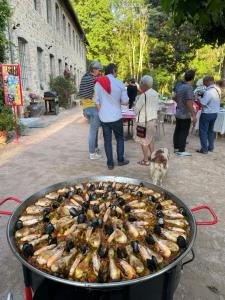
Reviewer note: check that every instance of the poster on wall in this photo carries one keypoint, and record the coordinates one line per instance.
(12, 87)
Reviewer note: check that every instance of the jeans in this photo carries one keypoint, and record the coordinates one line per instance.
(91, 114)
(181, 133)
(206, 133)
(117, 129)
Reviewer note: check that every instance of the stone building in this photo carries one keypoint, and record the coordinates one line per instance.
(45, 34)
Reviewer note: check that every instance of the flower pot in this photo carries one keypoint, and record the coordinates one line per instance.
(3, 137)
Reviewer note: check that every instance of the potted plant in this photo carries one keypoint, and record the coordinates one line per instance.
(64, 87)
(6, 125)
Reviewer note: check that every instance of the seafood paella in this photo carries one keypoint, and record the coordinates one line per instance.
(102, 232)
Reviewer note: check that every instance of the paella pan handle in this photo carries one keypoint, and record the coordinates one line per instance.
(215, 218)
(8, 213)
(190, 260)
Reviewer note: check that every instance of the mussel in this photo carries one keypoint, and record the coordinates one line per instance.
(121, 253)
(181, 242)
(131, 218)
(108, 228)
(157, 229)
(139, 194)
(135, 246)
(73, 212)
(60, 198)
(127, 208)
(161, 222)
(19, 225)
(49, 228)
(96, 209)
(152, 198)
(69, 245)
(55, 204)
(84, 249)
(152, 263)
(121, 201)
(81, 219)
(150, 240)
(28, 250)
(52, 240)
(102, 251)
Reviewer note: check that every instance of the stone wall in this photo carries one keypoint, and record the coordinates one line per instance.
(33, 28)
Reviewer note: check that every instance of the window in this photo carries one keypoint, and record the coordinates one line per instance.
(52, 65)
(77, 37)
(22, 49)
(64, 26)
(60, 67)
(69, 29)
(57, 16)
(40, 67)
(49, 11)
(74, 43)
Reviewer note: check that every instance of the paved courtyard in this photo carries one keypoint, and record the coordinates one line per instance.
(59, 152)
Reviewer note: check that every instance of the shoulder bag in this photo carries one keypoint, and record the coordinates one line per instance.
(141, 130)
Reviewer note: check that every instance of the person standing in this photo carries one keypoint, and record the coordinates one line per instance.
(210, 107)
(146, 109)
(110, 93)
(184, 96)
(86, 94)
(132, 91)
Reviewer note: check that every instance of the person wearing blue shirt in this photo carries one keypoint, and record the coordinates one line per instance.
(210, 107)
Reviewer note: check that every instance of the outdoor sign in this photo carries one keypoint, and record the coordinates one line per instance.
(12, 87)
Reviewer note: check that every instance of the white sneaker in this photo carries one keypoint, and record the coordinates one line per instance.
(183, 153)
(94, 156)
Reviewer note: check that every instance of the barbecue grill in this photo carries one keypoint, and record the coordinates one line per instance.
(157, 286)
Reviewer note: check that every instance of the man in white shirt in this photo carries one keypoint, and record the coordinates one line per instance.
(109, 95)
(210, 107)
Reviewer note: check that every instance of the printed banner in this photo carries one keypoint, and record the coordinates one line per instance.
(12, 87)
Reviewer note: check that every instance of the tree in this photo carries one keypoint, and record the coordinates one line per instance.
(131, 18)
(207, 16)
(173, 47)
(5, 13)
(97, 20)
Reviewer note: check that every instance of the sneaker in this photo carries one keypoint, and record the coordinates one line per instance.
(202, 151)
(123, 163)
(183, 153)
(111, 167)
(94, 156)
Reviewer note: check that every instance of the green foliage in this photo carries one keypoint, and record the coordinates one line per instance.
(97, 20)
(174, 46)
(116, 31)
(207, 16)
(64, 87)
(6, 121)
(5, 13)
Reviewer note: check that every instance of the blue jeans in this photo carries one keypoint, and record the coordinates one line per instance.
(91, 114)
(117, 129)
(206, 133)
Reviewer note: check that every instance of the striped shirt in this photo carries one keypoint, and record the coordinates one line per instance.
(86, 91)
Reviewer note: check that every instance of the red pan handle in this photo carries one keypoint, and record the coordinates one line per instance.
(215, 218)
(8, 213)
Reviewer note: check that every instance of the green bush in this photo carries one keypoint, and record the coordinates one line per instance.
(64, 87)
(6, 122)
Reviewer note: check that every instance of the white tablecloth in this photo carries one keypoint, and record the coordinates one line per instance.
(219, 124)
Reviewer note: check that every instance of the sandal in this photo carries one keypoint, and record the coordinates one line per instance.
(144, 163)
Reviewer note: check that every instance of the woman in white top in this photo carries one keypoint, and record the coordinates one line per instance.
(146, 117)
